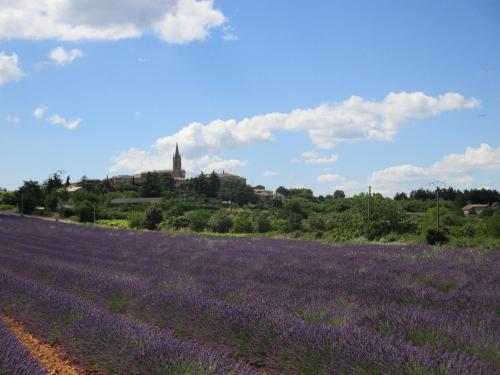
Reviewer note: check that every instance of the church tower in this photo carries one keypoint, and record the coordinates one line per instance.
(177, 168)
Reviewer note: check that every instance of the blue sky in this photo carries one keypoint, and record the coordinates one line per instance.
(336, 94)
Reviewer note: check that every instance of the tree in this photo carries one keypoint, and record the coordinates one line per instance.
(52, 199)
(283, 190)
(85, 211)
(167, 182)
(338, 194)
(213, 185)
(151, 186)
(67, 182)
(200, 184)
(236, 191)
(299, 206)
(152, 217)
(386, 215)
(105, 186)
(422, 194)
(301, 193)
(400, 196)
(53, 183)
(28, 196)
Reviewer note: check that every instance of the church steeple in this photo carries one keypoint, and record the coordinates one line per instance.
(177, 163)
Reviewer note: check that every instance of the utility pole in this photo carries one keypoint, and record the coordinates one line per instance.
(437, 185)
(369, 199)
(437, 206)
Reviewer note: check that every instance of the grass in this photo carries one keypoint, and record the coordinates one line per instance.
(118, 304)
(115, 223)
(441, 285)
(425, 336)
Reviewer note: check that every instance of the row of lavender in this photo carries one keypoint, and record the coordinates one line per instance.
(14, 357)
(105, 341)
(195, 315)
(295, 307)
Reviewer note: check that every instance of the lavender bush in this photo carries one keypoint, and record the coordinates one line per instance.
(148, 303)
(14, 357)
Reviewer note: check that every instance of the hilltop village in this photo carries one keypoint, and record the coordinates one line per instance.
(175, 177)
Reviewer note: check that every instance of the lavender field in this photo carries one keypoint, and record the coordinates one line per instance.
(124, 302)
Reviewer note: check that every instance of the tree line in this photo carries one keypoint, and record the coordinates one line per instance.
(201, 204)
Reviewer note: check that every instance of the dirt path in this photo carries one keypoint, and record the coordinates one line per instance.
(48, 356)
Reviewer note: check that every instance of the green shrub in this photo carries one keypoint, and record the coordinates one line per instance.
(243, 223)
(220, 222)
(262, 223)
(436, 236)
(179, 222)
(278, 225)
(314, 223)
(8, 198)
(487, 212)
(493, 225)
(152, 217)
(136, 219)
(198, 219)
(293, 223)
(67, 212)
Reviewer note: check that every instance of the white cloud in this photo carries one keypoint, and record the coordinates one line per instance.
(10, 67)
(56, 119)
(355, 119)
(312, 157)
(309, 154)
(405, 173)
(175, 21)
(39, 112)
(330, 177)
(270, 173)
(62, 57)
(190, 20)
(12, 119)
(450, 169)
(228, 34)
(317, 159)
(484, 157)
